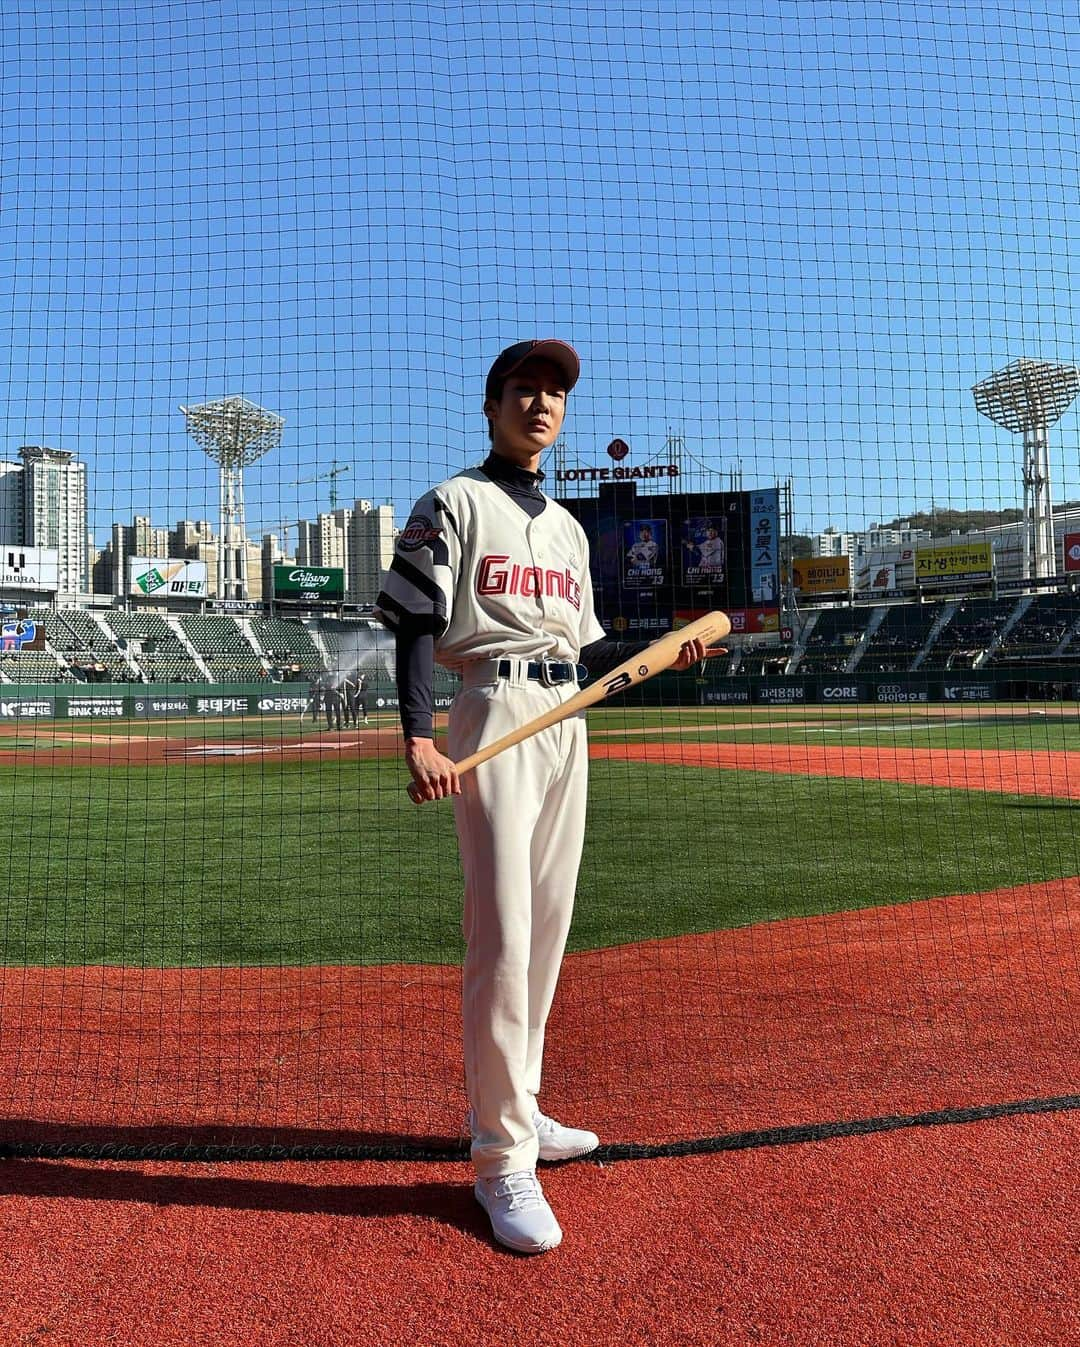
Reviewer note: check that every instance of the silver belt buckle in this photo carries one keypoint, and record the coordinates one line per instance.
(547, 677)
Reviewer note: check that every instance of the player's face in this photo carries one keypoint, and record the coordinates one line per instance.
(527, 418)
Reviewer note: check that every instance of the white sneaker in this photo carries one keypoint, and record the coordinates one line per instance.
(556, 1142)
(562, 1143)
(520, 1216)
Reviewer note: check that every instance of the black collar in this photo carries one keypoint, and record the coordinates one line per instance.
(500, 469)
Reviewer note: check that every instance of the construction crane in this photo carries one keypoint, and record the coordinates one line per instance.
(336, 469)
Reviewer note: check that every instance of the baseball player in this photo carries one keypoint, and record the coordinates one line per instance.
(644, 553)
(491, 578)
(711, 551)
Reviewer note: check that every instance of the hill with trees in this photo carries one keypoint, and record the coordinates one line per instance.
(942, 522)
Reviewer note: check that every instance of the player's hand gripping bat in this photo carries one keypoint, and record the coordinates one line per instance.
(654, 659)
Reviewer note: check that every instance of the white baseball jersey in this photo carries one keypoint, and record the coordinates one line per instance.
(471, 567)
(711, 552)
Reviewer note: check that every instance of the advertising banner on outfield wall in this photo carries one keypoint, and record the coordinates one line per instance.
(91, 708)
(781, 694)
(900, 693)
(171, 578)
(969, 692)
(29, 568)
(838, 691)
(309, 584)
(390, 703)
(159, 706)
(26, 708)
(282, 704)
(821, 575)
(1071, 546)
(722, 696)
(959, 561)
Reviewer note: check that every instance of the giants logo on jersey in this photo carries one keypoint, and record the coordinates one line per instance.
(496, 577)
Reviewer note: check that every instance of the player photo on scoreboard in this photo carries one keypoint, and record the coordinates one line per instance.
(704, 550)
(644, 552)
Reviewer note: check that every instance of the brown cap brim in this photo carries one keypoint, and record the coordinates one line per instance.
(560, 353)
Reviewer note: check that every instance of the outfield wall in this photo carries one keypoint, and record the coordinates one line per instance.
(120, 701)
(135, 701)
(896, 689)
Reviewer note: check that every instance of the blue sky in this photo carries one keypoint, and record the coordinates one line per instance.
(793, 233)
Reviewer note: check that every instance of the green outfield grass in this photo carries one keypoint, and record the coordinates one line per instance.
(259, 862)
(1043, 728)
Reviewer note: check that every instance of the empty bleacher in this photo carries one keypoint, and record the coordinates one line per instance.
(33, 666)
(1040, 631)
(88, 650)
(902, 634)
(286, 644)
(754, 663)
(348, 643)
(223, 648)
(969, 633)
(157, 650)
(835, 634)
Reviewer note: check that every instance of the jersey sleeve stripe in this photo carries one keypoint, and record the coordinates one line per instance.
(398, 618)
(419, 581)
(447, 513)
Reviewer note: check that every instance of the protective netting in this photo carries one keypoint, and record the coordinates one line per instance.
(257, 261)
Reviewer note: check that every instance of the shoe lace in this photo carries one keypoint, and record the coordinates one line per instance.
(521, 1190)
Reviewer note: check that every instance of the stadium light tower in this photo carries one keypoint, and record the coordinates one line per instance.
(234, 432)
(1028, 397)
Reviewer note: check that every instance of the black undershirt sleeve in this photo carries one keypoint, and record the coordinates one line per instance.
(415, 678)
(600, 657)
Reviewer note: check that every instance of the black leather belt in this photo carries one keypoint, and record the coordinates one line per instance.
(550, 672)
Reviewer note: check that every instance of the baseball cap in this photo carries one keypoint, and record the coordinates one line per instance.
(560, 353)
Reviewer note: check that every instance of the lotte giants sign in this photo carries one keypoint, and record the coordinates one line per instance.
(1071, 545)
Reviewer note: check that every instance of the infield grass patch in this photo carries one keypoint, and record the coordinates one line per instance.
(269, 863)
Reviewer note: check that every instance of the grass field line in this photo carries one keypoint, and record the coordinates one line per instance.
(928, 726)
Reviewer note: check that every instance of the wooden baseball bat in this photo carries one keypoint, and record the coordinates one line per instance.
(654, 659)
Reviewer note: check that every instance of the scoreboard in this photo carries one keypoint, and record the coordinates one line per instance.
(660, 561)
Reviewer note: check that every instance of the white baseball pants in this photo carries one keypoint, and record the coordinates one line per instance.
(521, 824)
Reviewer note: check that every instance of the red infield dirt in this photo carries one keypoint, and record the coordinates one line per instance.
(1024, 771)
(951, 1237)
(951, 1001)
(947, 1235)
